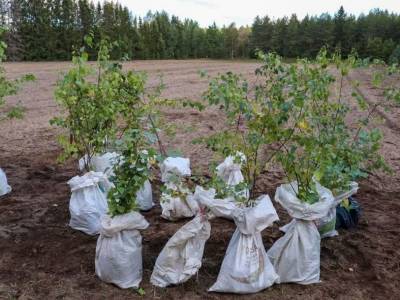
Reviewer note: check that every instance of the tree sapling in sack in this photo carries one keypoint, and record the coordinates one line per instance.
(119, 246)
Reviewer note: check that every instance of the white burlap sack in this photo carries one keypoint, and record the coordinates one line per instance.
(246, 267)
(101, 163)
(4, 187)
(119, 250)
(177, 166)
(105, 163)
(230, 172)
(88, 202)
(175, 208)
(222, 208)
(326, 225)
(181, 257)
(144, 197)
(296, 255)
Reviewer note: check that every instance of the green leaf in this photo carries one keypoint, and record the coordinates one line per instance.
(141, 292)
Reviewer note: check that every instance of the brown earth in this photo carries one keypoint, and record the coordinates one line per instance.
(42, 258)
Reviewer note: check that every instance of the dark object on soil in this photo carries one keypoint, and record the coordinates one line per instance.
(347, 216)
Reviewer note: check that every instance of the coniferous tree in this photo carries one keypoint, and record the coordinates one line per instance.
(50, 29)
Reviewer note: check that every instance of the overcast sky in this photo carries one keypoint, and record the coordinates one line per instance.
(242, 12)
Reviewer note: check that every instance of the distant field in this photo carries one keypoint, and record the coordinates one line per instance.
(41, 257)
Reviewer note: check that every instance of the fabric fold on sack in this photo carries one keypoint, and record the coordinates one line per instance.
(296, 255)
(4, 187)
(246, 267)
(222, 208)
(181, 257)
(119, 250)
(102, 164)
(88, 203)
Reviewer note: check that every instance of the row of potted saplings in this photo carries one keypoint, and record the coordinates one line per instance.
(247, 267)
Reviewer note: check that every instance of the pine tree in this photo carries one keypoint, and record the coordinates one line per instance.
(339, 31)
(50, 29)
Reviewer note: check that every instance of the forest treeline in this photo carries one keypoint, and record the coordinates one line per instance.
(50, 29)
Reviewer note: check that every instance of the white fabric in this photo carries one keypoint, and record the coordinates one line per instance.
(88, 203)
(246, 267)
(181, 257)
(230, 171)
(175, 208)
(330, 219)
(350, 192)
(101, 163)
(105, 163)
(144, 197)
(222, 208)
(178, 166)
(119, 250)
(4, 187)
(326, 225)
(296, 255)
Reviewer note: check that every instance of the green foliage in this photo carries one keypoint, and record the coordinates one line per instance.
(255, 119)
(293, 114)
(130, 173)
(392, 92)
(94, 99)
(16, 112)
(103, 103)
(10, 87)
(47, 30)
(304, 86)
(237, 192)
(141, 292)
(356, 153)
(395, 56)
(323, 147)
(371, 35)
(176, 188)
(90, 111)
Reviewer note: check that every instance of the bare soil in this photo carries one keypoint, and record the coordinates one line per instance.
(42, 258)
